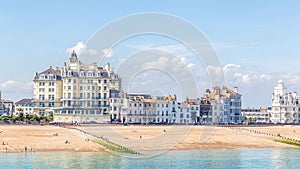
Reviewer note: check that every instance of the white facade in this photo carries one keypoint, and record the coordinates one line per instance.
(226, 105)
(144, 108)
(285, 105)
(256, 115)
(24, 106)
(184, 114)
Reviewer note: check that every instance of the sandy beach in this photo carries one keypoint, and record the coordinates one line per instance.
(43, 138)
(15, 138)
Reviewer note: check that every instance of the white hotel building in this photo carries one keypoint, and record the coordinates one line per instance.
(75, 93)
(285, 105)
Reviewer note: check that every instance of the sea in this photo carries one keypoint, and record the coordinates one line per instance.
(221, 158)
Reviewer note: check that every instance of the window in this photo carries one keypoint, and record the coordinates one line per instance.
(69, 80)
(99, 81)
(41, 83)
(104, 87)
(69, 87)
(41, 97)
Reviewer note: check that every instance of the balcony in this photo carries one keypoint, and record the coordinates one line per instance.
(83, 99)
(143, 115)
(84, 106)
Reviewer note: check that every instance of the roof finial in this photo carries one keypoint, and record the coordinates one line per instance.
(74, 54)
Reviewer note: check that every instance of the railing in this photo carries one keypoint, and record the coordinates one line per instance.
(85, 106)
(86, 98)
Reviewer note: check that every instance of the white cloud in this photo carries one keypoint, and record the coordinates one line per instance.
(7, 84)
(246, 79)
(107, 52)
(216, 74)
(81, 49)
(15, 90)
(230, 67)
(265, 77)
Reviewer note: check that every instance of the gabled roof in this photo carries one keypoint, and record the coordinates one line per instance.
(231, 92)
(24, 101)
(50, 71)
(47, 72)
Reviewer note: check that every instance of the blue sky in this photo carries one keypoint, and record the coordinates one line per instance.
(257, 41)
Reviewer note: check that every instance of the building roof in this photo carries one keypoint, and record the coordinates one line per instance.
(47, 72)
(6, 101)
(184, 105)
(24, 101)
(232, 92)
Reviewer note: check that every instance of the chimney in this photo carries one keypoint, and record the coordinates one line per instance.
(107, 66)
(236, 89)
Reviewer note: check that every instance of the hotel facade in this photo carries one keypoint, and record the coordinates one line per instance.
(76, 92)
(285, 105)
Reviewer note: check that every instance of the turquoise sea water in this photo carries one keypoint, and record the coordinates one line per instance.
(230, 158)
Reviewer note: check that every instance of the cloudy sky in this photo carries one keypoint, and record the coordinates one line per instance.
(257, 42)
